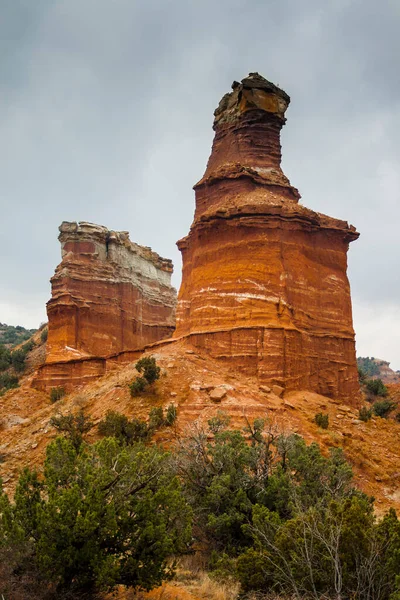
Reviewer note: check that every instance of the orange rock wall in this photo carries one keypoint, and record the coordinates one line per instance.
(70, 374)
(264, 281)
(98, 318)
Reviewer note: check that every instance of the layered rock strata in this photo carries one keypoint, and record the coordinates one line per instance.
(264, 279)
(109, 295)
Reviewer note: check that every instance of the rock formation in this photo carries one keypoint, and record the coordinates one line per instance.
(109, 295)
(264, 278)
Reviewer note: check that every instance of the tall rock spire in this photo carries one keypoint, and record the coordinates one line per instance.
(264, 282)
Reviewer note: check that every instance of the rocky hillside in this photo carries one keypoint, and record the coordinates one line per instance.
(376, 368)
(24, 358)
(200, 387)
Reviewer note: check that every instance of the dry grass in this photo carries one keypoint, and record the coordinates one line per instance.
(191, 582)
(191, 566)
(208, 588)
(192, 576)
(213, 592)
(271, 596)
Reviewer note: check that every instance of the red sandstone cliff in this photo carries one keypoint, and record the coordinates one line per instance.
(264, 278)
(109, 295)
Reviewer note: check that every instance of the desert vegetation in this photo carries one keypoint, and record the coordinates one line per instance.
(129, 431)
(12, 336)
(12, 365)
(267, 515)
(322, 420)
(56, 393)
(101, 515)
(14, 359)
(376, 387)
(150, 372)
(376, 392)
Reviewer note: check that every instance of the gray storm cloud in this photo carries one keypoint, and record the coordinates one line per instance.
(106, 113)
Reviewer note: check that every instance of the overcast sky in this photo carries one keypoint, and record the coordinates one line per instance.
(106, 110)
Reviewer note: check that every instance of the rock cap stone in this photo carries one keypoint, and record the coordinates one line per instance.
(253, 93)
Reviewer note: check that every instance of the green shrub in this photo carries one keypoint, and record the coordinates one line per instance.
(226, 475)
(171, 415)
(115, 425)
(18, 358)
(148, 367)
(28, 347)
(322, 420)
(99, 517)
(140, 430)
(251, 571)
(383, 408)
(156, 417)
(44, 335)
(119, 426)
(137, 386)
(365, 414)
(7, 382)
(74, 426)
(219, 422)
(377, 387)
(362, 375)
(56, 393)
(334, 536)
(222, 568)
(368, 366)
(5, 358)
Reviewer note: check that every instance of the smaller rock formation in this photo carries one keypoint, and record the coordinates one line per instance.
(109, 295)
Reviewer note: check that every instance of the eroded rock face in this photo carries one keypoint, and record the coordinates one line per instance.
(109, 295)
(264, 278)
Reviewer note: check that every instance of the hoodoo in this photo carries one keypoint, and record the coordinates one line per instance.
(109, 295)
(264, 282)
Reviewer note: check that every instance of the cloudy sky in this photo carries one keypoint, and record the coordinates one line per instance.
(106, 114)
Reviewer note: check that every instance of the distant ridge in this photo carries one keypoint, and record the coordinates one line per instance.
(11, 335)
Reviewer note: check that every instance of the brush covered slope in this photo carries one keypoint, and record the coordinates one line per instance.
(200, 387)
(377, 368)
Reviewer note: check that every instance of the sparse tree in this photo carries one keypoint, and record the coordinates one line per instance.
(74, 426)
